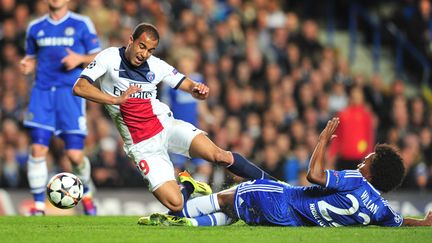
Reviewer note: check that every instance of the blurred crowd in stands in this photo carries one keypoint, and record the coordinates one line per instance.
(273, 86)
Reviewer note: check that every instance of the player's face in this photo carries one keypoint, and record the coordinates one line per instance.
(139, 50)
(364, 167)
(57, 4)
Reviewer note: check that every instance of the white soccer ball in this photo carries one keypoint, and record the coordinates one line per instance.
(65, 190)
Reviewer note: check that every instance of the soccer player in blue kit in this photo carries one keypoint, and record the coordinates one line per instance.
(339, 198)
(57, 44)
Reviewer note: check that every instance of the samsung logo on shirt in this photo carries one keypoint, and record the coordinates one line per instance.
(56, 41)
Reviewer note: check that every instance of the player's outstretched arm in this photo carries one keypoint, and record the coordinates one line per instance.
(197, 90)
(427, 221)
(316, 173)
(85, 89)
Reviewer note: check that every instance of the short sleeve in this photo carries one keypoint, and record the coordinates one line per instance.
(343, 180)
(30, 43)
(170, 75)
(89, 38)
(96, 68)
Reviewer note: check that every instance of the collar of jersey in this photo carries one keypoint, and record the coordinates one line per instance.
(57, 22)
(138, 74)
(126, 61)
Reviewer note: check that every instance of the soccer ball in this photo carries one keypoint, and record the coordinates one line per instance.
(65, 190)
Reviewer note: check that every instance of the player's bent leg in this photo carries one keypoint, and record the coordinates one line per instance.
(203, 147)
(37, 175)
(213, 219)
(83, 171)
(170, 196)
(199, 206)
(80, 166)
(74, 144)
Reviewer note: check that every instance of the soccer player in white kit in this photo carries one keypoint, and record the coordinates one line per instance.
(128, 78)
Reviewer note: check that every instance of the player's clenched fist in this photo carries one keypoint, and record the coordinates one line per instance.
(200, 91)
(27, 65)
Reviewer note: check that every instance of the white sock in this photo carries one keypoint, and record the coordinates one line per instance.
(83, 170)
(201, 206)
(213, 219)
(39, 205)
(37, 174)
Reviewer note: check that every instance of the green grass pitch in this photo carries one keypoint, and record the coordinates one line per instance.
(125, 229)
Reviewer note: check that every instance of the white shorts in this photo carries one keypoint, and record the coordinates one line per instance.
(151, 156)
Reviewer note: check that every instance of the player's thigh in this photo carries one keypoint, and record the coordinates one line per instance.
(203, 147)
(70, 111)
(180, 135)
(41, 110)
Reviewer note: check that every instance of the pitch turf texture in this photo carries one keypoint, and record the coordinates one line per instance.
(125, 229)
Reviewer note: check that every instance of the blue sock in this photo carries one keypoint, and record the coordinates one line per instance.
(186, 190)
(205, 220)
(86, 189)
(246, 169)
(39, 197)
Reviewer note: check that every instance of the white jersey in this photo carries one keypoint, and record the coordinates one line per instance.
(142, 116)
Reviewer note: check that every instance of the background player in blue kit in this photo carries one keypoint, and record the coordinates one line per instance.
(187, 108)
(57, 44)
(340, 198)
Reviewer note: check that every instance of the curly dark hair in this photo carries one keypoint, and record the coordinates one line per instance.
(387, 168)
(147, 28)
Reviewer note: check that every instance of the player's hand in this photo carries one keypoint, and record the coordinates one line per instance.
(123, 98)
(200, 91)
(72, 60)
(328, 133)
(27, 65)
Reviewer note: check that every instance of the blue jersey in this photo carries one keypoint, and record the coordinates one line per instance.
(47, 40)
(347, 199)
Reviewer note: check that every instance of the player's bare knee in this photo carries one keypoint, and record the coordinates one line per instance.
(175, 205)
(75, 156)
(38, 150)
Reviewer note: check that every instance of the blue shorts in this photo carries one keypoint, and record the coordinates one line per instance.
(56, 110)
(264, 202)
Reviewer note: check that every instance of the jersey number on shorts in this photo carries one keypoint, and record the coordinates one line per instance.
(324, 208)
(143, 166)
